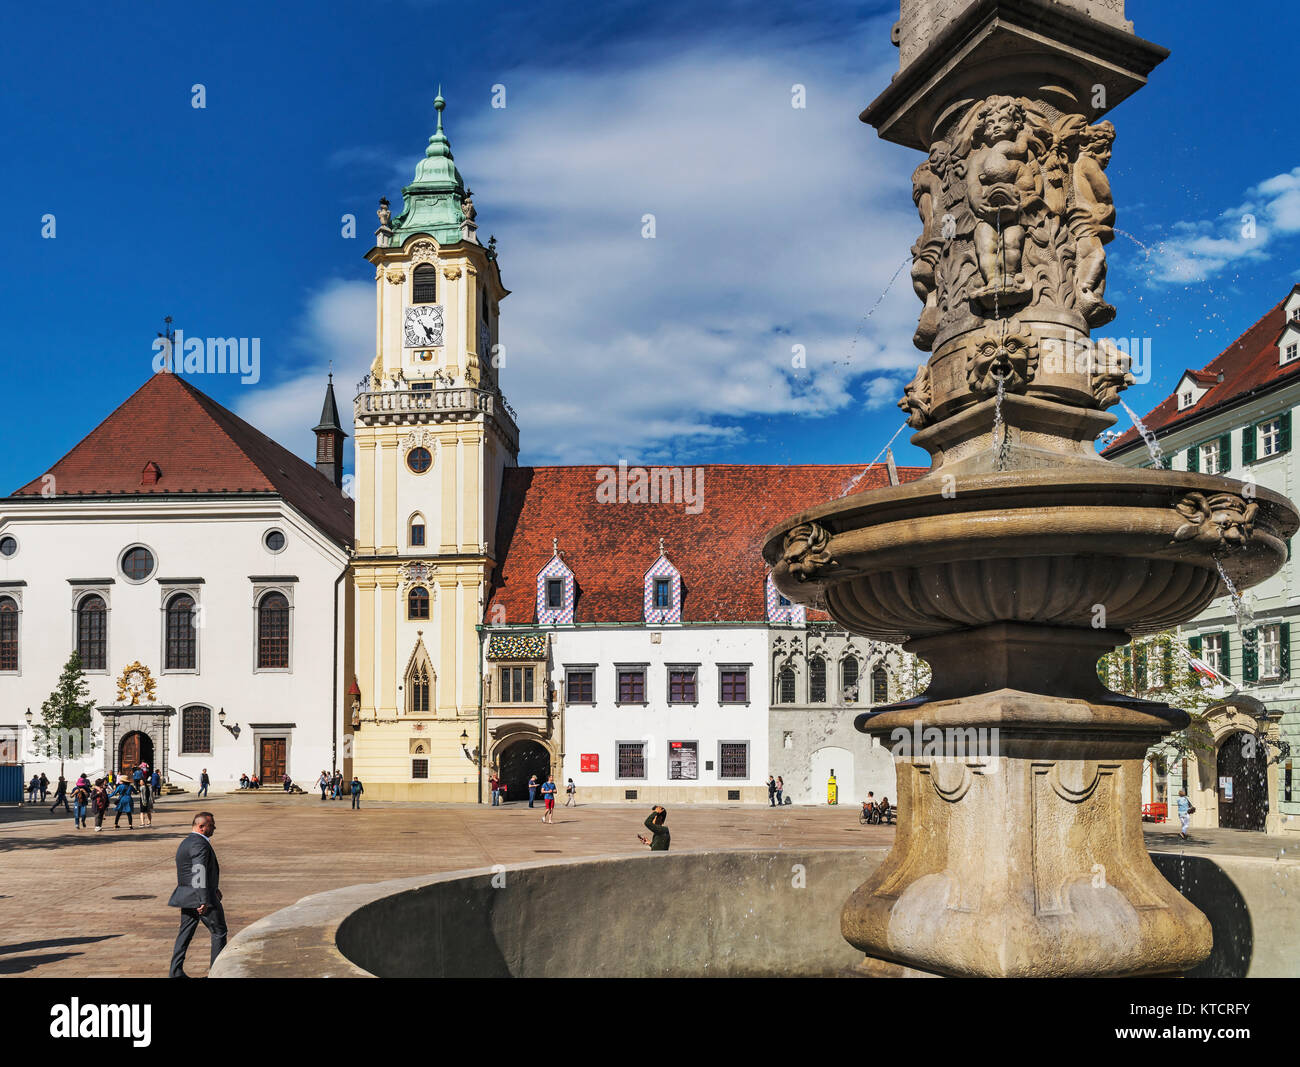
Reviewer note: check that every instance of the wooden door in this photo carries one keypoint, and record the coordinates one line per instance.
(130, 752)
(1243, 783)
(273, 760)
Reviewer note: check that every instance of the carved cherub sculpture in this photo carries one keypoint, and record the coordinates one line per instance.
(1092, 219)
(1002, 179)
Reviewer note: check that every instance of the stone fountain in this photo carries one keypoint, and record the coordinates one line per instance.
(1022, 556)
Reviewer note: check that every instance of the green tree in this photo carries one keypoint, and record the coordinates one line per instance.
(68, 715)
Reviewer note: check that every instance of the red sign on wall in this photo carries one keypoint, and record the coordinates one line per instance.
(591, 761)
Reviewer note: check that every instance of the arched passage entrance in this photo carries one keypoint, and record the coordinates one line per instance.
(518, 761)
(136, 748)
(1242, 781)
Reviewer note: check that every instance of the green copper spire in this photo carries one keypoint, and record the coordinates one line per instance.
(432, 203)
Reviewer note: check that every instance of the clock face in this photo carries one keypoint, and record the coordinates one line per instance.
(423, 325)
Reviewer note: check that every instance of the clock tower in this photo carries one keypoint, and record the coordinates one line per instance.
(433, 434)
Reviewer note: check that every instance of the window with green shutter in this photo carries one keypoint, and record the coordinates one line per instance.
(1167, 662)
(1248, 436)
(1225, 453)
(1139, 668)
(1194, 458)
(1250, 657)
(1284, 650)
(1284, 433)
(1225, 656)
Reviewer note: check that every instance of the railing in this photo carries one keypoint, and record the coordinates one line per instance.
(393, 404)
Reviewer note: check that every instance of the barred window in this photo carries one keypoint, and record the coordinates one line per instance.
(516, 685)
(733, 686)
(273, 632)
(785, 686)
(681, 686)
(419, 768)
(849, 680)
(733, 759)
(417, 603)
(424, 285)
(8, 634)
(196, 730)
(879, 686)
(631, 759)
(92, 633)
(631, 687)
(182, 644)
(817, 680)
(580, 687)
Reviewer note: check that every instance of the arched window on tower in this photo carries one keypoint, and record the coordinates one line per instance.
(424, 284)
(8, 634)
(418, 689)
(181, 644)
(849, 680)
(816, 680)
(273, 632)
(92, 633)
(879, 686)
(417, 603)
(785, 686)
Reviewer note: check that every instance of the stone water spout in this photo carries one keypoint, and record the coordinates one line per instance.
(1012, 566)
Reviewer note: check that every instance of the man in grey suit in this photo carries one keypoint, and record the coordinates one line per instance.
(198, 891)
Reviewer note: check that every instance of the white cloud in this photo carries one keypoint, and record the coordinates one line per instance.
(1197, 250)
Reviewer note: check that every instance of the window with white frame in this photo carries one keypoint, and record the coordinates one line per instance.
(1270, 437)
(1270, 651)
(1212, 651)
(1185, 401)
(1210, 457)
(1290, 352)
(631, 759)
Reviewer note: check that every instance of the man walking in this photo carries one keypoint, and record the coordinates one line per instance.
(198, 892)
(532, 789)
(80, 798)
(548, 797)
(45, 786)
(357, 790)
(1185, 810)
(570, 794)
(771, 791)
(204, 782)
(60, 795)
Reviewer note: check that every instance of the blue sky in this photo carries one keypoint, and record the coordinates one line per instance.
(775, 227)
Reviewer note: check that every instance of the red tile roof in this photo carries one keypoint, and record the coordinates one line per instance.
(609, 547)
(198, 447)
(1248, 365)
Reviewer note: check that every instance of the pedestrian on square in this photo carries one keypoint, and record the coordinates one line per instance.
(60, 795)
(122, 794)
(80, 798)
(548, 797)
(1185, 810)
(45, 786)
(338, 784)
(137, 775)
(146, 800)
(494, 787)
(570, 795)
(82, 780)
(197, 892)
(659, 836)
(323, 783)
(771, 791)
(288, 783)
(99, 804)
(204, 782)
(156, 780)
(532, 789)
(33, 787)
(780, 788)
(357, 790)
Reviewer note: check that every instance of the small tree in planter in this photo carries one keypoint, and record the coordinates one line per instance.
(68, 713)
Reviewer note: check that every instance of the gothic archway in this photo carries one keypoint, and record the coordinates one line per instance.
(517, 761)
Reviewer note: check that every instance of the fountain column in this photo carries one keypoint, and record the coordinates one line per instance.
(1021, 556)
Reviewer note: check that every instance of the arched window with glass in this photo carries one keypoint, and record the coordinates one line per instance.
(817, 680)
(181, 646)
(8, 633)
(424, 285)
(419, 689)
(417, 603)
(785, 686)
(273, 632)
(849, 680)
(92, 632)
(879, 686)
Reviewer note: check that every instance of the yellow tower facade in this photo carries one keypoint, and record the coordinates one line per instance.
(433, 435)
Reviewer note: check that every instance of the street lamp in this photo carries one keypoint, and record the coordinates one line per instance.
(234, 730)
(29, 716)
(464, 747)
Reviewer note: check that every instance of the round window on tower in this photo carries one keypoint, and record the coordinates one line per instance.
(419, 460)
(8, 546)
(274, 540)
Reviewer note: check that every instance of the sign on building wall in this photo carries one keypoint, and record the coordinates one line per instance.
(591, 761)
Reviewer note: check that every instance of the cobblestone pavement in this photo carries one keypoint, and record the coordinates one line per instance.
(81, 903)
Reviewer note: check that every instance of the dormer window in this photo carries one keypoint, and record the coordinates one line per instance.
(1185, 400)
(662, 594)
(554, 593)
(779, 607)
(424, 285)
(1290, 351)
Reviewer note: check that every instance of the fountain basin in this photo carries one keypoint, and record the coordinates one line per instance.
(688, 913)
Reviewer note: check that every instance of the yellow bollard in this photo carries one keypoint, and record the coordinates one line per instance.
(832, 790)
